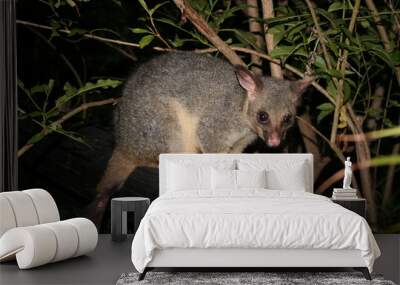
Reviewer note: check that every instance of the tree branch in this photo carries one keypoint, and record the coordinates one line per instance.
(389, 186)
(321, 36)
(268, 13)
(256, 29)
(88, 36)
(289, 67)
(311, 144)
(342, 66)
(363, 155)
(201, 25)
(50, 128)
(382, 32)
(362, 149)
(209, 33)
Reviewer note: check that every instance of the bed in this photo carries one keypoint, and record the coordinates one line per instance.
(246, 211)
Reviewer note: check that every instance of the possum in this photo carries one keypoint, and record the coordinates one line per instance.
(183, 102)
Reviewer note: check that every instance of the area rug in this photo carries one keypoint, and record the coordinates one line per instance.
(254, 278)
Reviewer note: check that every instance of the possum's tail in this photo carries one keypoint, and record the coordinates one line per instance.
(117, 171)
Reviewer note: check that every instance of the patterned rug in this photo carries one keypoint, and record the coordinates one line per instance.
(244, 278)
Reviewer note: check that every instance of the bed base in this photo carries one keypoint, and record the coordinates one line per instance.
(363, 270)
(244, 259)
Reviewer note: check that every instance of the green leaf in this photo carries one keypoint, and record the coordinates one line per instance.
(43, 88)
(326, 107)
(117, 2)
(331, 88)
(395, 57)
(346, 91)
(101, 83)
(320, 62)
(146, 40)
(334, 73)
(333, 47)
(35, 114)
(392, 132)
(140, 31)
(374, 113)
(385, 160)
(144, 5)
(177, 42)
(335, 6)
(220, 18)
(156, 7)
(327, 15)
(245, 37)
(71, 135)
(296, 30)
(285, 51)
(382, 54)
(71, 92)
(71, 3)
(57, 4)
(365, 24)
(278, 32)
(169, 22)
(388, 123)
(322, 115)
(394, 103)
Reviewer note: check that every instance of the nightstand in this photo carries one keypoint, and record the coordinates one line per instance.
(358, 205)
(119, 208)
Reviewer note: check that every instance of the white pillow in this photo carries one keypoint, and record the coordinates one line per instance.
(226, 179)
(223, 179)
(191, 174)
(293, 179)
(183, 178)
(280, 175)
(251, 178)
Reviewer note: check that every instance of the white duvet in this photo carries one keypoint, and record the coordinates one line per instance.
(255, 218)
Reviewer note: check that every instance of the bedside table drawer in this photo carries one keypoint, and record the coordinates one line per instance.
(358, 206)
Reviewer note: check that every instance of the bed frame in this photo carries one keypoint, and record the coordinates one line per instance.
(246, 258)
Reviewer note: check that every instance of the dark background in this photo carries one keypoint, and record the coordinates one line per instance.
(70, 170)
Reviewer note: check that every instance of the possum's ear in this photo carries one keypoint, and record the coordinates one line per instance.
(299, 87)
(250, 82)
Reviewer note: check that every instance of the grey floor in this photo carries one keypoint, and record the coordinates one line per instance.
(110, 260)
(103, 266)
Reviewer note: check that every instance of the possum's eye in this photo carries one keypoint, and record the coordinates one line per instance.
(262, 117)
(287, 119)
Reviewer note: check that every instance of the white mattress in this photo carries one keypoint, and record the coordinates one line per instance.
(256, 218)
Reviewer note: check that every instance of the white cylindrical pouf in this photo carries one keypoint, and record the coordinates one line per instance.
(7, 218)
(23, 208)
(45, 205)
(87, 234)
(31, 232)
(67, 240)
(34, 246)
(37, 245)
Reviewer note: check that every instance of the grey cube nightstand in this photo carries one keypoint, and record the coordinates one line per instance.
(119, 209)
(357, 205)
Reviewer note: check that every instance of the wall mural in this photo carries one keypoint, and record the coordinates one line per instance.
(106, 86)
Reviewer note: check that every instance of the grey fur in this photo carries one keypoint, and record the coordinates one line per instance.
(186, 102)
(208, 88)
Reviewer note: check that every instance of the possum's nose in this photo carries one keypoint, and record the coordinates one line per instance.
(273, 140)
